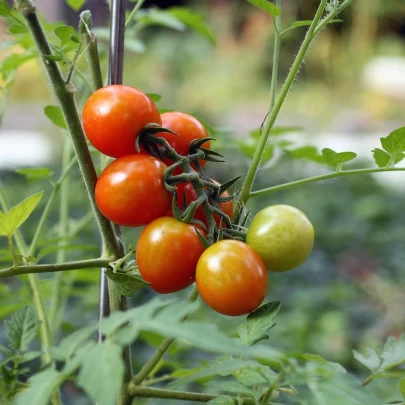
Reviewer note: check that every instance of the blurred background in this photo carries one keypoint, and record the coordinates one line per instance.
(350, 92)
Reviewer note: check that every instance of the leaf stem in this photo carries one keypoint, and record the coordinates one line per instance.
(367, 380)
(247, 185)
(149, 392)
(321, 177)
(276, 55)
(131, 16)
(160, 351)
(50, 268)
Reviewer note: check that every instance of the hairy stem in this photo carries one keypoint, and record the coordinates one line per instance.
(321, 177)
(148, 392)
(268, 126)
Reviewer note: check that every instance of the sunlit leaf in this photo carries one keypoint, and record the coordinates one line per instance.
(54, 113)
(127, 283)
(265, 5)
(37, 173)
(76, 4)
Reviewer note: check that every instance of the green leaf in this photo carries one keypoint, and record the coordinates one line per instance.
(34, 174)
(102, 373)
(381, 157)
(306, 152)
(163, 18)
(64, 33)
(265, 5)
(395, 142)
(134, 45)
(248, 148)
(193, 21)
(393, 353)
(17, 29)
(402, 388)
(11, 63)
(335, 159)
(257, 323)
(54, 113)
(371, 359)
(154, 97)
(222, 400)
(76, 4)
(234, 387)
(303, 23)
(22, 328)
(42, 385)
(13, 219)
(127, 283)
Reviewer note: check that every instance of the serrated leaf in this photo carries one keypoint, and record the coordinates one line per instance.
(257, 323)
(335, 159)
(64, 33)
(381, 157)
(154, 97)
(371, 359)
(37, 173)
(306, 152)
(395, 142)
(76, 4)
(54, 113)
(17, 29)
(127, 283)
(29, 356)
(222, 400)
(42, 385)
(102, 373)
(265, 5)
(22, 328)
(17, 215)
(193, 21)
(393, 353)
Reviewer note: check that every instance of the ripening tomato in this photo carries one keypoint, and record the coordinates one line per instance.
(113, 117)
(282, 235)
(188, 129)
(231, 278)
(167, 254)
(130, 191)
(191, 195)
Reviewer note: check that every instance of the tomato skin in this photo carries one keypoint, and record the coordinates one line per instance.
(188, 129)
(113, 117)
(167, 254)
(191, 195)
(282, 235)
(130, 191)
(231, 278)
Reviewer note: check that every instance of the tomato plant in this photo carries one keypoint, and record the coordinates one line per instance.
(130, 190)
(167, 253)
(188, 129)
(282, 235)
(231, 278)
(187, 190)
(113, 117)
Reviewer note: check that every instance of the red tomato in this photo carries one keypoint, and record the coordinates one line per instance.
(191, 195)
(188, 129)
(130, 191)
(167, 254)
(114, 116)
(231, 278)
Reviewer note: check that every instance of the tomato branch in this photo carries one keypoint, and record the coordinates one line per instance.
(51, 268)
(148, 392)
(321, 177)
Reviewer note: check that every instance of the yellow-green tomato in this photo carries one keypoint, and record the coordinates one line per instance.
(282, 235)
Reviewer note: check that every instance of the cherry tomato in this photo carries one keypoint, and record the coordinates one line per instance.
(130, 191)
(113, 117)
(231, 278)
(191, 195)
(188, 129)
(167, 254)
(282, 235)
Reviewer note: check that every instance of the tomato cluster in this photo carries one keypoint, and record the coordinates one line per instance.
(231, 275)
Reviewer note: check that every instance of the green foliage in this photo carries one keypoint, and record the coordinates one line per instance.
(76, 4)
(17, 215)
(54, 113)
(335, 159)
(35, 174)
(394, 148)
(265, 5)
(127, 282)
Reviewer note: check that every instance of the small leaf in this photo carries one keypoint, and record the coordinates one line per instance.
(381, 157)
(54, 58)
(257, 323)
(22, 328)
(306, 152)
(193, 20)
(395, 142)
(76, 4)
(154, 97)
(34, 174)
(13, 219)
(335, 159)
(54, 113)
(11, 63)
(303, 23)
(102, 372)
(17, 29)
(265, 5)
(127, 283)
(371, 359)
